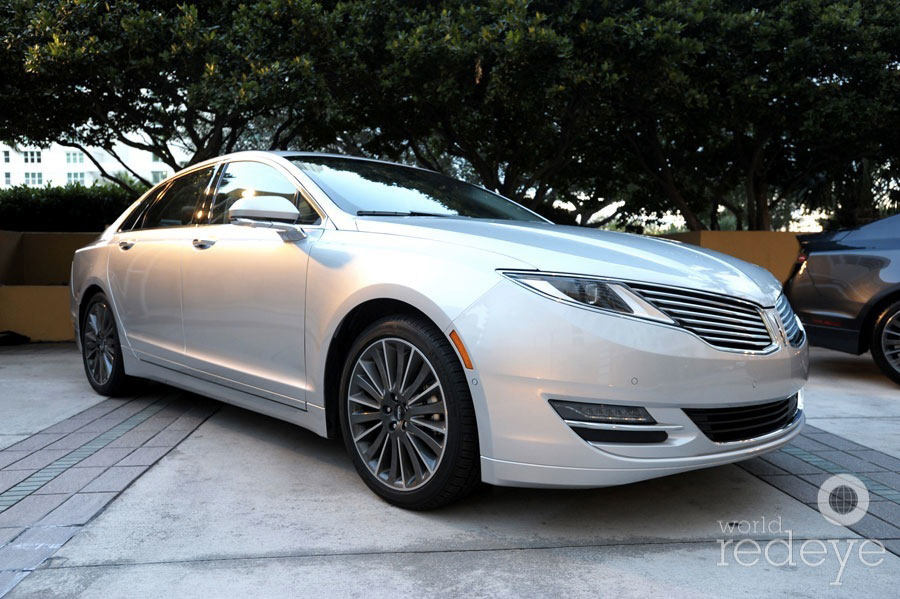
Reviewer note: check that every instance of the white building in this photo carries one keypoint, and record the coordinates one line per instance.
(59, 165)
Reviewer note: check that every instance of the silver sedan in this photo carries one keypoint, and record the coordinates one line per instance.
(447, 334)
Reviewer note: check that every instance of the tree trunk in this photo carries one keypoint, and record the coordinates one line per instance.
(737, 212)
(693, 223)
(763, 215)
(714, 216)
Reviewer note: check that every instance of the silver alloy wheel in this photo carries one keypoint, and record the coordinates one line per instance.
(100, 342)
(890, 341)
(398, 418)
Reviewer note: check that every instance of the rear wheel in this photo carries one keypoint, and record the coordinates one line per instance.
(886, 341)
(406, 415)
(101, 351)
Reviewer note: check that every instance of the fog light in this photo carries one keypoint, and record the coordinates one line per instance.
(598, 412)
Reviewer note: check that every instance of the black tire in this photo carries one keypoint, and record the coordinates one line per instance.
(116, 382)
(884, 343)
(457, 471)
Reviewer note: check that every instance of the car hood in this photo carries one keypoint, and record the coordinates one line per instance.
(566, 249)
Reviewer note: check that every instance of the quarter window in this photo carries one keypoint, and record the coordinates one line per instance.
(175, 208)
(245, 179)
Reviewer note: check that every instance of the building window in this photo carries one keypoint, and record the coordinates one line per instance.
(7, 178)
(156, 158)
(6, 156)
(34, 178)
(157, 176)
(74, 158)
(75, 178)
(33, 157)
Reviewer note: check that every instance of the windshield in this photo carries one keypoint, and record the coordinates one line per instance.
(368, 188)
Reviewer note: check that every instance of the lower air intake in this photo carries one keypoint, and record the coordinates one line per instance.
(726, 425)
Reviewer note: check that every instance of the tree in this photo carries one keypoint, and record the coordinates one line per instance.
(767, 96)
(151, 75)
(728, 112)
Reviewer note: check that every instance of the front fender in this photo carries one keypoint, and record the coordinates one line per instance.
(349, 268)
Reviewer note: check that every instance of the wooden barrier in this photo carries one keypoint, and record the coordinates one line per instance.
(34, 283)
(775, 251)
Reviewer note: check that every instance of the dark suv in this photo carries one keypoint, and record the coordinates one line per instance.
(846, 290)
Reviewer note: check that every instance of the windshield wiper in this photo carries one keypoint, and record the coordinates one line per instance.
(389, 213)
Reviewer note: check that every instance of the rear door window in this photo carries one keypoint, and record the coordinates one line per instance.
(177, 205)
(134, 217)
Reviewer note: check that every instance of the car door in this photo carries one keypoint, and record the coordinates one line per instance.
(244, 291)
(856, 270)
(145, 267)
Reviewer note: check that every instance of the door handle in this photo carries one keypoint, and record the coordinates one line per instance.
(126, 245)
(203, 244)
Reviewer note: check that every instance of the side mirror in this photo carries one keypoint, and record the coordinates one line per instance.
(264, 208)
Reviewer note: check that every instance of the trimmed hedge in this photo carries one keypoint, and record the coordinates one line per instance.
(73, 208)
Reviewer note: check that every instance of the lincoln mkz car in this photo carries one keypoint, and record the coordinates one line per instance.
(846, 289)
(447, 334)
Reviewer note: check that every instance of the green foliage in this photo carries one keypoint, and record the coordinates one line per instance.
(73, 208)
(656, 106)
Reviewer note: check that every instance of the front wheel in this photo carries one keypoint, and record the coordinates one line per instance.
(101, 351)
(406, 415)
(886, 342)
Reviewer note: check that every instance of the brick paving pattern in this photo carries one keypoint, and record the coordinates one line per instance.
(56, 481)
(800, 468)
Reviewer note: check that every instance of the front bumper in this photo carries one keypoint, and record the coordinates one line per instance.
(527, 349)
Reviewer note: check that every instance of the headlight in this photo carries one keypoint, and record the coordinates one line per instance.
(589, 292)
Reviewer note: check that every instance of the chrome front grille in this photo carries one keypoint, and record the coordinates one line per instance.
(723, 322)
(791, 329)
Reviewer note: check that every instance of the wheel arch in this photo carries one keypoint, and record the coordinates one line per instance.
(871, 314)
(351, 325)
(86, 295)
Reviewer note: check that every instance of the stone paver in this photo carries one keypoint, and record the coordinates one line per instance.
(71, 481)
(35, 442)
(30, 509)
(144, 456)
(115, 479)
(38, 459)
(105, 457)
(77, 509)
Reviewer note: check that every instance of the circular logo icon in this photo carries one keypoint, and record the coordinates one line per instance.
(843, 499)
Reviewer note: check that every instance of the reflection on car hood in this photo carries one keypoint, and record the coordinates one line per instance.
(557, 248)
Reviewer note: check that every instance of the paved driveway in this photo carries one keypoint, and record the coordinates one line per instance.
(173, 495)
